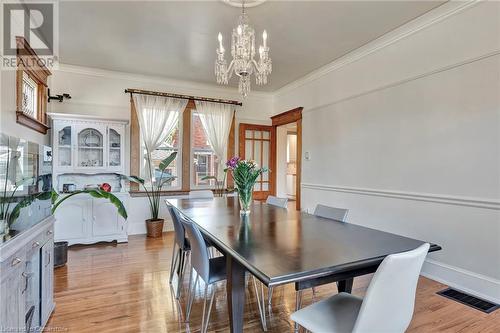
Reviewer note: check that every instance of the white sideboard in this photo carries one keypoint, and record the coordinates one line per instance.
(85, 220)
(88, 151)
(27, 278)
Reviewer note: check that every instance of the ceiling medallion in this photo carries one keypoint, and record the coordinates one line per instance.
(248, 3)
(243, 53)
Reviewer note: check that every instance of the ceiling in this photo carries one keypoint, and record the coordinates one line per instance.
(178, 39)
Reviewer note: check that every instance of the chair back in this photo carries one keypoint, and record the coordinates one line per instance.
(180, 235)
(278, 202)
(200, 259)
(333, 213)
(390, 297)
(202, 194)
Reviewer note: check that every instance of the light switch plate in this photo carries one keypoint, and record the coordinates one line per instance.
(307, 156)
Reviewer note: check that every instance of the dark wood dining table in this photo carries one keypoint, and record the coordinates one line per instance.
(281, 246)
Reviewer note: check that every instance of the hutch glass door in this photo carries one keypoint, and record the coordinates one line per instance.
(64, 145)
(115, 148)
(90, 150)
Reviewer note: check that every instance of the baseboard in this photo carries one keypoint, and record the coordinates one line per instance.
(469, 282)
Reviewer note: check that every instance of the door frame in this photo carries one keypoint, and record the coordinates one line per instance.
(290, 116)
(272, 154)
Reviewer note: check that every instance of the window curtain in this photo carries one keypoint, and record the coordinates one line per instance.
(216, 119)
(157, 116)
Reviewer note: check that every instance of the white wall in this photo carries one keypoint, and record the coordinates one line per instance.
(281, 149)
(405, 133)
(101, 93)
(8, 124)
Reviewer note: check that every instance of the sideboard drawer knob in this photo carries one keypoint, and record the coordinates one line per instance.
(15, 262)
(35, 244)
(49, 232)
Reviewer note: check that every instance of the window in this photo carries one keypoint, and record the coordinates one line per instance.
(30, 93)
(204, 161)
(195, 158)
(170, 145)
(31, 88)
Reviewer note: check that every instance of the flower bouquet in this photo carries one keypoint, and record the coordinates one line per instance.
(245, 173)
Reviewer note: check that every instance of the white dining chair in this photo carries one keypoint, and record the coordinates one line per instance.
(278, 202)
(387, 306)
(201, 194)
(328, 212)
(333, 213)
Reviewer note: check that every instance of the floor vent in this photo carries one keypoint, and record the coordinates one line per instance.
(469, 300)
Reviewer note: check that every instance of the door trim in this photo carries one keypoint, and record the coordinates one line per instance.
(272, 153)
(290, 116)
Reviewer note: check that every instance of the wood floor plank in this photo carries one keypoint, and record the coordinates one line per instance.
(124, 288)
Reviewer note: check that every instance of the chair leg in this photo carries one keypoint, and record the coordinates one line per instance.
(181, 274)
(191, 297)
(270, 296)
(298, 305)
(175, 255)
(207, 315)
(260, 303)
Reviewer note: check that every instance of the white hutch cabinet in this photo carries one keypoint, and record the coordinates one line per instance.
(88, 151)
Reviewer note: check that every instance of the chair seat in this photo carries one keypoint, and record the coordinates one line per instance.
(217, 269)
(336, 314)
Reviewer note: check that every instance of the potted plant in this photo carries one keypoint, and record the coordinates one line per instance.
(154, 225)
(245, 174)
(219, 185)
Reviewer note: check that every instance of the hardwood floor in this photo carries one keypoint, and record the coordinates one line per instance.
(124, 288)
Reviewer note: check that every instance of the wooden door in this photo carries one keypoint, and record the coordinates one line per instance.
(255, 144)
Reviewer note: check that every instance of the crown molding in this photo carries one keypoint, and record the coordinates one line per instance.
(424, 21)
(140, 78)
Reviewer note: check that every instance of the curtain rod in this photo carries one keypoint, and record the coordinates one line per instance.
(194, 98)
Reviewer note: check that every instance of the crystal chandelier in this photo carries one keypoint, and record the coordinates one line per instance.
(243, 53)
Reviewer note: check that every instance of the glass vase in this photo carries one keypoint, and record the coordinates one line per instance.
(245, 196)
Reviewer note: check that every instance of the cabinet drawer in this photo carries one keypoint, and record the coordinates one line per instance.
(16, 260)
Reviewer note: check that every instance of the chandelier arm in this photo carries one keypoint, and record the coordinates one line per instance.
(258, 68)
(230, 69)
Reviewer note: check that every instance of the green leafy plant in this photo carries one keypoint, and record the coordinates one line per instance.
(8, 199)
(219, 186)
(153, 190)
(97, 193)
(245, 174)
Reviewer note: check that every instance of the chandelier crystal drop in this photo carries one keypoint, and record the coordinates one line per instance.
(243, 53)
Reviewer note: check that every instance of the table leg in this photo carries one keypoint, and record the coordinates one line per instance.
(235, 294)
(345, 285)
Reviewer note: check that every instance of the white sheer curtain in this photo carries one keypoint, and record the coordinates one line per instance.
(216, 119)
(157, 116)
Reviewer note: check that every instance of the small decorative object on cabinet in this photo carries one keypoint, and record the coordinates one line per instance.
(88, 152)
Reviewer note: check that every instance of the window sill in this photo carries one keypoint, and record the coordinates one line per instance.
(32, 123)
(139, 194)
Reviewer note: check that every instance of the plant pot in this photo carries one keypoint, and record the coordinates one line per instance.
(154, 227)
(60, 254)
